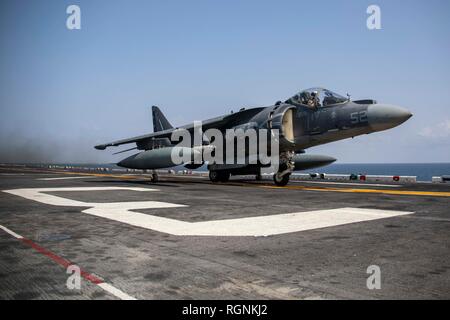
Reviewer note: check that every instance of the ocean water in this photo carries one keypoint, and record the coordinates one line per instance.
(423, 171)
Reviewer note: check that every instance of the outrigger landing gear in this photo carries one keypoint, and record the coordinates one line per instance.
(155, 177)
(219, 176)
(281, 178)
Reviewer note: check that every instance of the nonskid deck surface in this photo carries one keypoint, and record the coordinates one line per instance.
(186, 238)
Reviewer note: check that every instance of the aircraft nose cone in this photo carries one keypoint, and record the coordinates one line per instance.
(383, 116)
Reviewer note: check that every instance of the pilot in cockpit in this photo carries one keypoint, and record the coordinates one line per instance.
(314, 101)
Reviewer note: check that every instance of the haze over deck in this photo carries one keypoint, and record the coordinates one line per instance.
(61, 91)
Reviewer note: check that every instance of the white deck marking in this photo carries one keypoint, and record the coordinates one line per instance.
(116, 292)
(251, 226)
(37, 194)
(10, 232)
(66, 178)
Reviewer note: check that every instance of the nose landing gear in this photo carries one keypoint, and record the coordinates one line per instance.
(286, 167)
(280, 180)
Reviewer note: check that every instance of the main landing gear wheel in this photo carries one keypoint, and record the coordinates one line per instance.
(281, 181)
(214, 176)
(219, 176)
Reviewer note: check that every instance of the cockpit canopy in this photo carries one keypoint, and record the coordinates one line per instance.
(316, 97)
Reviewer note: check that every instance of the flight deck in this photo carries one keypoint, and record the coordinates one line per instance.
(184, 237)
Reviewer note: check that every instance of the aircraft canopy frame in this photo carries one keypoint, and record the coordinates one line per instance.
(317, 97)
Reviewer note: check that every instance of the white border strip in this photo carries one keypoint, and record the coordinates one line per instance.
(105, 286)
(115, 292)
(12, 233)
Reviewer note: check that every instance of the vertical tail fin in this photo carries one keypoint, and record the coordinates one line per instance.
(160, 123)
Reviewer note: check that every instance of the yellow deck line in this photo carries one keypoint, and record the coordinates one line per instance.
(354, 190)
(322, 189)
(80, 173)
(100, 175)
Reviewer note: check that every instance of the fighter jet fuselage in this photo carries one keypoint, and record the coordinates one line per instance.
(312, 117)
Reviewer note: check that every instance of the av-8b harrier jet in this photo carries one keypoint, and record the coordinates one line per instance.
(310, 118)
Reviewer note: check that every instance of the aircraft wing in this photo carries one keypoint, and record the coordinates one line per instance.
(146, 137)
(221, 123)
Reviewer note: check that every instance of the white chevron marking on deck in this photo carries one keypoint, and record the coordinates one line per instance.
(250, 226)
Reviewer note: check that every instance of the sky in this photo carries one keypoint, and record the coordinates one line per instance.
(63, 91)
